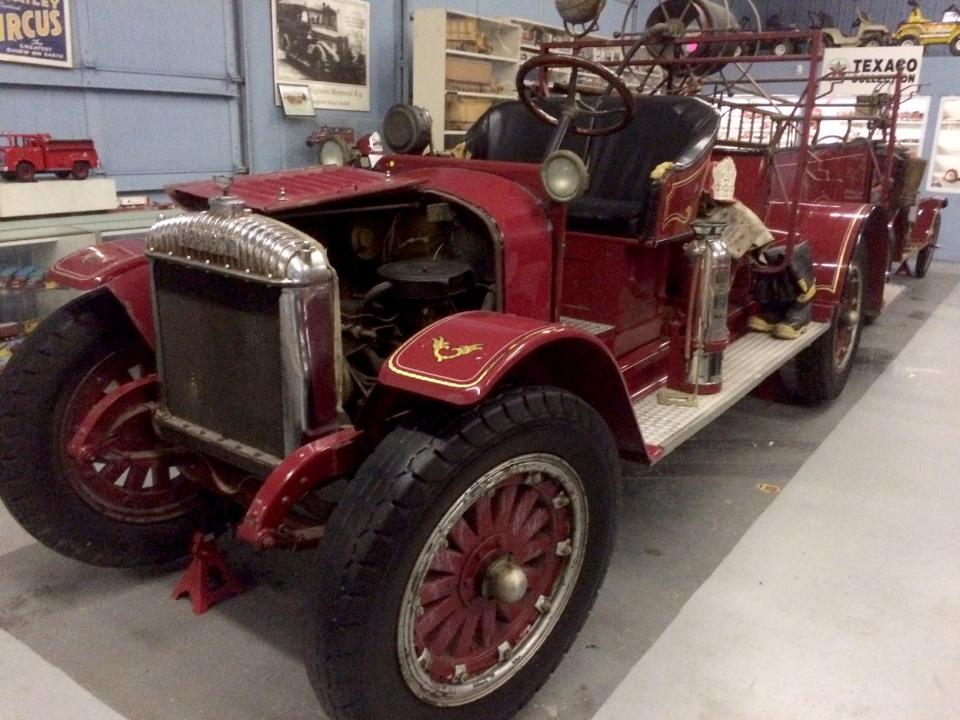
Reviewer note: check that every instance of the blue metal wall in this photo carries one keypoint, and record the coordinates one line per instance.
(157, 85)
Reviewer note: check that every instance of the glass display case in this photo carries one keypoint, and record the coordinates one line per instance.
(29, 248)
(944, 174)
(26, 292)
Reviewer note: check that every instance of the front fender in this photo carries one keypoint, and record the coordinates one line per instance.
(462, 359)
(120, 267)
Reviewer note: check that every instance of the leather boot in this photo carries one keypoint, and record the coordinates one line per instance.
(804, 286)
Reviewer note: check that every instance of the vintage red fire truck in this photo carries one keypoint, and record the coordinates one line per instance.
(432, 369)
(22, 156)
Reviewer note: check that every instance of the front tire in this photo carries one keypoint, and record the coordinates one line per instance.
(109, 512)
(25, 171)
(955, 46)
(464, 560)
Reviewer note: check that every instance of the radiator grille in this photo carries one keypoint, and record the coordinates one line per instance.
(220, 356)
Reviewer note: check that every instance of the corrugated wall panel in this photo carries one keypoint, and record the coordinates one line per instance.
(156, 85)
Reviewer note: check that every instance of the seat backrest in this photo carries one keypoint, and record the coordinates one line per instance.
(509, 132)
(664, 128)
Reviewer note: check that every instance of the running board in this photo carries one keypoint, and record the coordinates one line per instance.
(594, 328)
(746, 364)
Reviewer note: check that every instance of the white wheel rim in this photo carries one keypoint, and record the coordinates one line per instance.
(460, 688)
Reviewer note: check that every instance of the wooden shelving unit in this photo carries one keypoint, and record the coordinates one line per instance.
(462, 65)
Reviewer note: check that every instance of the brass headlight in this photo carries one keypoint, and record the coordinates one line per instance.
(564, 176)
(334, 152)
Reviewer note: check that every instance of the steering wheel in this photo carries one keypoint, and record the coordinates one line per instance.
(574, 106)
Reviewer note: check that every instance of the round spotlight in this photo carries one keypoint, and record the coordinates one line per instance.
(407, 129)
(334, 152)
(580, 12)
(564, 176)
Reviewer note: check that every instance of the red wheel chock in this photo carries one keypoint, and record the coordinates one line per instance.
(208, 579)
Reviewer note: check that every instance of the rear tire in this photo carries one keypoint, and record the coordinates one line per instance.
(909, 41)
(48, 385)
(81, 171)
(925, 257)
(457, 489)
(8, 176)
(820, 372)
(924, 260)
(955, 46)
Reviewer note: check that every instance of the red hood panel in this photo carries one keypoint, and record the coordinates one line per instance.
(276, 192)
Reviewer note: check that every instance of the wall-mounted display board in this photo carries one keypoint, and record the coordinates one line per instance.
(297, 100)
(944, 174)
(324, 44)
(36, 32)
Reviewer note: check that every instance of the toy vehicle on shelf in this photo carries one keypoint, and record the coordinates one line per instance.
(432, 369)
(866, 32)
(24, 155)
(774, 24)
(464, 33)
(920, 30)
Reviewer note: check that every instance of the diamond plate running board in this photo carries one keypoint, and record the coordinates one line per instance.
(746, 364)
(594, 328)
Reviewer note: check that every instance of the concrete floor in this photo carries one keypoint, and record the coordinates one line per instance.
(835, 599)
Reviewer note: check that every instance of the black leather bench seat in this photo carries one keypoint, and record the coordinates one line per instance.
(664, 129)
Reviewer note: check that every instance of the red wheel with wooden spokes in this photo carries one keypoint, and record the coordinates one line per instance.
(464, 559)
(121, 497)
(493, 578)
(130, 475)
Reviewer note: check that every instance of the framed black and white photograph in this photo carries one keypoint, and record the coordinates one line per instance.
(325, 45)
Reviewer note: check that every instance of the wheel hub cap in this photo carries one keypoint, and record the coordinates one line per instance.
(505, 581)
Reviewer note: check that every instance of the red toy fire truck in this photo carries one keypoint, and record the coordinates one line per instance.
(431, 369)
(22, 156)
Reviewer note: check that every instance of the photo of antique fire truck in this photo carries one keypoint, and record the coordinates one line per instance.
(310, 36)
(430, 370)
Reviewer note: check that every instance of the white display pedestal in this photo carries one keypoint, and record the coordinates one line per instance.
(56, 197)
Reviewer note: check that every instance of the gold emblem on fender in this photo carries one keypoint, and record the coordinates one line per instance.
(443, 352)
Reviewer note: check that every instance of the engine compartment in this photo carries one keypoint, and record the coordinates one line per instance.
(401, 267)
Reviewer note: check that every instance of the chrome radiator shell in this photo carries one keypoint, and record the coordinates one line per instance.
(230, 239)
(230, 242)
